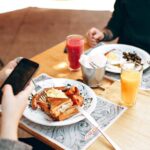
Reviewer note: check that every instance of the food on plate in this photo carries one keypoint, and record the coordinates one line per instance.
(133, 57)
(58, 102)
(58, 107)
(110, 51)
(115, 58)
(111, 56)
(55, 92)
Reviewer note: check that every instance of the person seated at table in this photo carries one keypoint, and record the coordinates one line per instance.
(129, 22)
(12, 110)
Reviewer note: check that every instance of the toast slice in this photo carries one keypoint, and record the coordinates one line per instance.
(58, 106)
(66, 114)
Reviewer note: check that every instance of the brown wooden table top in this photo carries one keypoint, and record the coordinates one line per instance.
(131, 131)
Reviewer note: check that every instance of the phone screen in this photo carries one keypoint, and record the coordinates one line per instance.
(21, 75)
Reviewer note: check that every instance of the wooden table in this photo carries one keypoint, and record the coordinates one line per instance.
(131, 131)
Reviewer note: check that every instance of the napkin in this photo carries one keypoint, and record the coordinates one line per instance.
(99, 60)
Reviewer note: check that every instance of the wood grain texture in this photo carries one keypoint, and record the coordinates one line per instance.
(30, 31)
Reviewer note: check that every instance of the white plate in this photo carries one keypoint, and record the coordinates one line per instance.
(38, 116)
(123, 48)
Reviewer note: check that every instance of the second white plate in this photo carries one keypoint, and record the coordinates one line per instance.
(121, 48)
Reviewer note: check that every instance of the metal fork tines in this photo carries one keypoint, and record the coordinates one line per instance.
(37, 88)
(43, 96)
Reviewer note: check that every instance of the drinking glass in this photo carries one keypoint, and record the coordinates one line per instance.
(75, 47)
(131, 76)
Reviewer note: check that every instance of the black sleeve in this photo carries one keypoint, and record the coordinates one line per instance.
(13, 145)
(116, 21)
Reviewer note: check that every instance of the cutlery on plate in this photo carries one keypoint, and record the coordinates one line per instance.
(111, 51)
(37, 88)
(93, 122)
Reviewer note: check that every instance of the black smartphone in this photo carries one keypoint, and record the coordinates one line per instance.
(21, 75)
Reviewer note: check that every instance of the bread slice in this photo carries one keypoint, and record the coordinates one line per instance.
(66, 114)
(58, 106)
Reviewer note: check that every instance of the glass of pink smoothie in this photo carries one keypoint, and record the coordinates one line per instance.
(75, 47)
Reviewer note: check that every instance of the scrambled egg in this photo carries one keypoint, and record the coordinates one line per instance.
(112, 56)
(55, 93)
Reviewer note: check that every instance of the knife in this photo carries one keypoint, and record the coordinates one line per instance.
(93, 122)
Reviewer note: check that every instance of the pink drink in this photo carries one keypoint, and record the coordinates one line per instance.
(75, 47)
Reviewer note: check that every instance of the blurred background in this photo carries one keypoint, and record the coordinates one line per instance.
(28, 27)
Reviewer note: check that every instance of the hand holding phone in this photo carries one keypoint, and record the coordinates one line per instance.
(21, 75)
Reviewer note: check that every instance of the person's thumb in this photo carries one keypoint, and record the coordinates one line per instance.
(27, 91)
(29, 88)
(7, 91)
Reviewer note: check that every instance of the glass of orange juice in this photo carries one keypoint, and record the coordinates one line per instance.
(131, 75)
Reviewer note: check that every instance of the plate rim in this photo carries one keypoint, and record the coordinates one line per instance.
(129, 46)
(77, 118)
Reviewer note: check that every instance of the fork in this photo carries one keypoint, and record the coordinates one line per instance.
(37, 89)
(43, 96)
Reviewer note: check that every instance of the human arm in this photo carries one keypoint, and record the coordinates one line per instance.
(112, 29)
(116, 22)
(12, 110)
(6, 144)
(94, 36)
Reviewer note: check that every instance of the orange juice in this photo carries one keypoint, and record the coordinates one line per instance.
(130, 81)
